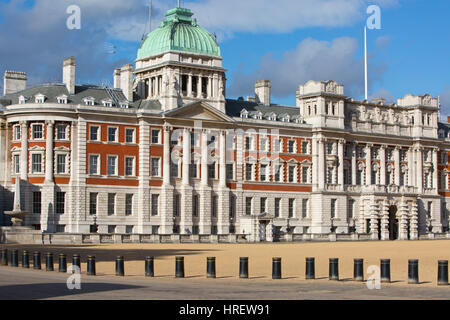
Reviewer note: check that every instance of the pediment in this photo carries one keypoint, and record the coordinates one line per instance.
(198, 111)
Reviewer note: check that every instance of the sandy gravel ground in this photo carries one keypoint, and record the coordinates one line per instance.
(260, 258)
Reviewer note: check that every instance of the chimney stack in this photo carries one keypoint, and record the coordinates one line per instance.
(14, 81)
(117, 78)
(69, 74)
(262, 92)
(126, 81)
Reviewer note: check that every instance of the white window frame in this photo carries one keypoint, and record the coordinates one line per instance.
(133, 169)
(89, 101)
(295, 177)
(42, 154)
(32, 132)
(15, 164)
(294, 148)
(66, 162)
(307, 174)
(116, 165)
(17, 132)
(116, 135)
(280, 145)
(159, 167)
(99, 132)
(308, 148)
(62, 99)
(97, 173)
(107, 103)
(66, 132)
(39, 98)
(252, 178)
(281, 165)
(266, 173)
(251, 144)
(233, 175)
(159, 136)
(22, 100)
(265, 147)
(134, 135)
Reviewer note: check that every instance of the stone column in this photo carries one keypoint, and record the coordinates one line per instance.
(385, 221)
(144, 173)
(383, 181)
(204, 161)
(411, 175)
(341, 145)
(223, 221)
(414, 222)
(72, 207)
(321, 166)
(186, 189)
(435, 170)
(374, 220)
(24, 151)
(403, 226)
(419, 169)
(210, 95)
(354, 167)
(205, 190)
(49, 169)
(368, 165)
(189, 86)
(397, 166)
(167, 192)
(199, 87)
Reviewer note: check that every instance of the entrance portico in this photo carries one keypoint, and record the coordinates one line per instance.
(259, 228)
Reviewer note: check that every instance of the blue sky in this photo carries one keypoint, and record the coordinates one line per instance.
(285, 41)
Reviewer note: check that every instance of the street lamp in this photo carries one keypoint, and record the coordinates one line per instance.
(95, 226)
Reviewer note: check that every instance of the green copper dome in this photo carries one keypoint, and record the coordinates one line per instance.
(179, 32)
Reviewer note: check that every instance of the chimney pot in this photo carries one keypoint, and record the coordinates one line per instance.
(69, 74)
(262, 92)
(14, 81)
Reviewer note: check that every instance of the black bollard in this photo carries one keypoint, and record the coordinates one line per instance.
(4, 258)
(211, 267)
(243, 268)
(120, 268)
(76, 261)
(443, 273)
(49, 262)
(37, 260)
(15, 258)
(385, 270)
(310, 273)
(25, 259)
(62, 263)
(91, 266)
(358, 270)
(149, 267)
(413, 271)
(334, 269)
(276, 268)
(179, 267)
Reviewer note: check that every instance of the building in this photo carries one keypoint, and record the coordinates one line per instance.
(164, 152)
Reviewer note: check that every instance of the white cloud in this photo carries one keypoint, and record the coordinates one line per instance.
(311, 60)
(383, 93)
(383, 42)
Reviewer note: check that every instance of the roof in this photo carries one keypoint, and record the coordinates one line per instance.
(179, 32)
(53, 91)
(235, 107)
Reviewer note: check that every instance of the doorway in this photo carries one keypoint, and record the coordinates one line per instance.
(393, 223)
(262, 231)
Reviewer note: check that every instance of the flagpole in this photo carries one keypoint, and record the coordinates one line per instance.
(365, 60)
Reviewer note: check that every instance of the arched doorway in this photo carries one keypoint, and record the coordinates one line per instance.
(393, 223)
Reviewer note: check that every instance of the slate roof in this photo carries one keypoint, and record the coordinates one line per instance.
(52, 91)
(234, 108)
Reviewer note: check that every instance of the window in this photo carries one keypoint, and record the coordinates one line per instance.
(60, 228)
(263, 202)
(444, 158)
(61, 163)
(291, 174)
(129, 166)
(129, 135)
(155, 167)
(112, 134)
(155, 204)
(36, 163)
(62, 99)
(213, 229)
(111, 204)
(128, 204)
(155, 229)
(291, 207)
(277, 145)
(195, 205)
(374, 177)
(248, 172)
(248, 143)
(93, 164)
(359, 174)
(333, 208)
(174, 169)
(195, 230)
(291, 146)
(248, 206)
(263, 144)
(305, 205)
(232, 206)
(60, 202)
(351, 209)
(112, 165)
(193, 170)
(94, 133)
(107, 103)
(37, 202)
(16, 163)
(278, 173)
(111, 229)
(214, 205)
(263, 172)
(305, 147)
(129, 229)
(37, 131)
(230, 171)
(93, 203)
(305, 174)
(16, 133)
(212, 171)
(330, 176)
(61, 132)
(89, 101)
(277, 207)
(176, 206)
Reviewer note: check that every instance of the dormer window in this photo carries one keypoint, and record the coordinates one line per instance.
(124, 105)
(39, 98)
(89, 101)
(244, 114)
(62, 99)
(107, 103)
(22, 100)
(258, 116)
